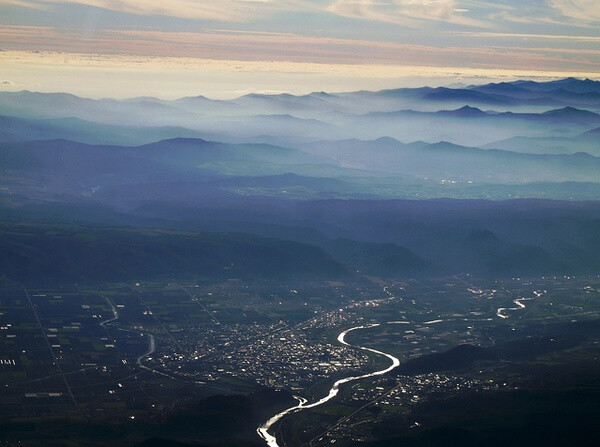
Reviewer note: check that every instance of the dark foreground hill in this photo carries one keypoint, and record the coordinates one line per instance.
(555, 400)
(215, 421)
(58, 253)
(382, 238)
(33, 254)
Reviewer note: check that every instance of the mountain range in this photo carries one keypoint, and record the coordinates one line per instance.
(497, 180)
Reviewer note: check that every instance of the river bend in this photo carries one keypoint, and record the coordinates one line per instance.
(263, 430)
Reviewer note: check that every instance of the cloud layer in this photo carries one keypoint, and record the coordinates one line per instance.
(532, 36)
(172, 77)
(289, 47)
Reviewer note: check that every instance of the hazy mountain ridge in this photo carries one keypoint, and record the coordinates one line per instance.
(339, 167)
(444, 160)
(13, 129)
(287, 118)
(295, 169)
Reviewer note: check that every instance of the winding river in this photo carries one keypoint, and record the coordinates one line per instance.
(263, 430)
(518, 302)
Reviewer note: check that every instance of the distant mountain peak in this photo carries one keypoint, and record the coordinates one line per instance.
(572, 111)
(194, 98)
(180, 142)
(583, 155)
(592, 133)
(577, 80)
(443, 144)
(469, 111)
(571, 84)
(387, 140)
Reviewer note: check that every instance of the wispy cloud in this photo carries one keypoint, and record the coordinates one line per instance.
(530, 36)
(288, 47)
(582, 10)
(404, 12)
(408, 13)
(557, 14)
(391, 71)
(24, 4)
(218, 10)
(433, 9)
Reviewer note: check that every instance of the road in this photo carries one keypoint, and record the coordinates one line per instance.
(54, 358)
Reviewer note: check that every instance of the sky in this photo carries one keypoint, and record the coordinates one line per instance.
(227, 48)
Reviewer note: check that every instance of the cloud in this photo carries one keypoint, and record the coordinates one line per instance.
(532, 36)
(6, 82)
(218, 10)
(557, 13)
(366, 10)
(24, 4)
(435, 9)
(584, 10)
(172, 77)
(404, 12)
(285, 48)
